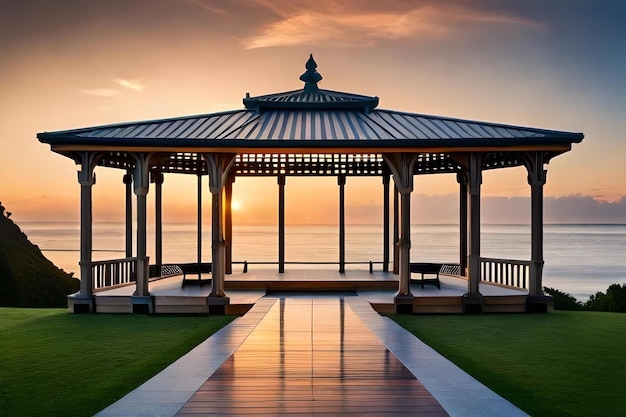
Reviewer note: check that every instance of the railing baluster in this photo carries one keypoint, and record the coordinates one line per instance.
(113, 272)
(509, 272)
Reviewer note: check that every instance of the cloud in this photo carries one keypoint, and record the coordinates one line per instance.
(110, 92)
(571, 209)
(101, 92)
(208, 6)
(130, 84)
(359, 24)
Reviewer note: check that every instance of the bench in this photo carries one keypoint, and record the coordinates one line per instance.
(426, 268)
(184, 269)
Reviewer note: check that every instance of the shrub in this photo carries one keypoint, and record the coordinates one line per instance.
(614, 300)
(564, 301)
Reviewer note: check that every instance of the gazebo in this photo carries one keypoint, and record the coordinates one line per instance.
(308, 132)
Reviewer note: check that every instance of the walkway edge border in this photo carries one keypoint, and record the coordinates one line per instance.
(168, 391)
(458, 393)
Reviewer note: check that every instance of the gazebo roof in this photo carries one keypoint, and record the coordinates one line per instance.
(319, 127)
(311, 121)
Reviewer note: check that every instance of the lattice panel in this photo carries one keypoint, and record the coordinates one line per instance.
(308, 164)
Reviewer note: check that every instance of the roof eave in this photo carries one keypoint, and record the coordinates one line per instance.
(243, 144)
(258, 106)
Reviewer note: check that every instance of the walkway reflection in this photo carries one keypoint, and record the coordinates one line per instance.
(312, 356)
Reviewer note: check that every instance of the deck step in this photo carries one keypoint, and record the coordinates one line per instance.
(438, 305)
(505, 304)
(114, 304)
(179, 304)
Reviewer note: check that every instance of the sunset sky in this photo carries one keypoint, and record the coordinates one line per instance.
(558, 64)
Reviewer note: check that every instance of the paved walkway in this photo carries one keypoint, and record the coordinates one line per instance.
(312, 355)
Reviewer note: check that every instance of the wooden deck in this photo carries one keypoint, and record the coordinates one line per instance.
(312, 357)
(244, 289)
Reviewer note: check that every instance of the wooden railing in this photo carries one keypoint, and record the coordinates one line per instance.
(370, 263)
(114, 272)
(505, 272)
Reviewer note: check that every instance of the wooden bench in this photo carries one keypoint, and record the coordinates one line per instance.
(192, 269)
(426, 269)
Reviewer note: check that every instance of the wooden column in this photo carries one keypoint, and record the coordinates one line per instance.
(83, 302)
(86, 237)
(405, 244)
(199, 221)
(141, 182)
(228, 222)
(217, 245)
(281, 223)
(461, 178)
(401, 165)
(472, 300)
(386, 178)
(157, 179)
(537, 176)
(396, 229)
(218, 167)
(341, 181)
(128, 180)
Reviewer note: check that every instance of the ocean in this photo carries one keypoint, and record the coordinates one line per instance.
(579, 259)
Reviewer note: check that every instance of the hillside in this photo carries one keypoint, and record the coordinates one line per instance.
(27, 278)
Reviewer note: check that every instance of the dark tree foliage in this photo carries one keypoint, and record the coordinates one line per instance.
(564, 301)
(614, 300)
(27, 277)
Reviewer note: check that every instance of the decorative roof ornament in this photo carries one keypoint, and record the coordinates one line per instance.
(311, 97)
(311, 77)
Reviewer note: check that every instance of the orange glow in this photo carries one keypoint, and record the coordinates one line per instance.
(459, 59)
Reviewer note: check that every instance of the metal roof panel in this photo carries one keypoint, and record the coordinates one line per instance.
(293, 125)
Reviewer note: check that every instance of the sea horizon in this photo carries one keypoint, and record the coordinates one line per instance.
(580, 259)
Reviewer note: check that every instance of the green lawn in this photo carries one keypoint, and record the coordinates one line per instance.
(53, 363)
(557, 364)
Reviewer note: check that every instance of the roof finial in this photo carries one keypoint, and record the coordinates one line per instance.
(311, 77)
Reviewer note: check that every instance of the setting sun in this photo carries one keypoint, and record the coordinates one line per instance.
(235, 205)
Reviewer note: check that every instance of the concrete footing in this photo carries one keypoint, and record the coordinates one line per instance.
(77, 303)
(142, 304)
(217, 305)
(404, 304)
(539, 304)
(473, 304)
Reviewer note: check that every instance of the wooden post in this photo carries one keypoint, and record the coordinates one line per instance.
(396, 230)
(141, 182)
(341, 180)
(86, 180)
(537, 176)
(218, 167)
(473, 299)
(199, 220)
(461, 178)
(157, 179)
(386, 222)
(405, 244)
(228, 223)
(401, 165)
(217, 267)
(281, 223)
(128, 181)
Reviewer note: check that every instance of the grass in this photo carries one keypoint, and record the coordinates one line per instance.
(557, 364)
(53, 363)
